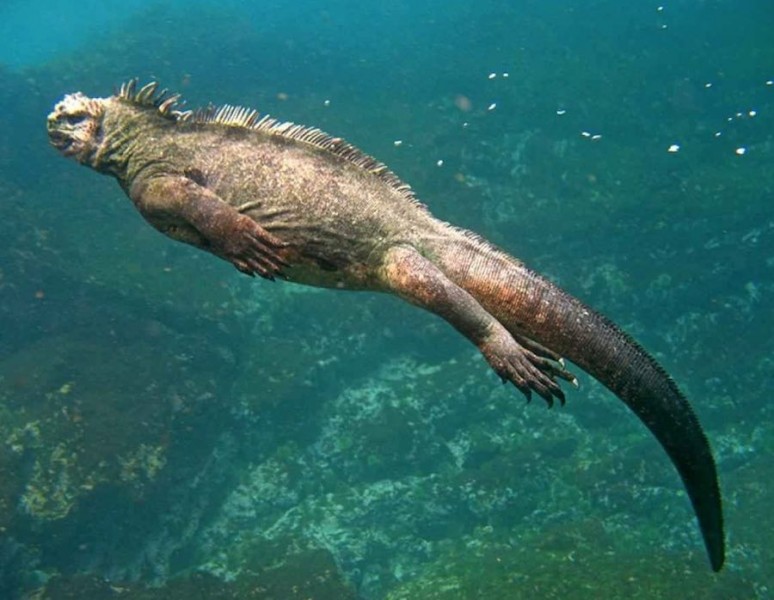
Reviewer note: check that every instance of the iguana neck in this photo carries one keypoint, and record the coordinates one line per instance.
(130, 142)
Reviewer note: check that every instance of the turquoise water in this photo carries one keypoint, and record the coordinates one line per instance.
(171, 428)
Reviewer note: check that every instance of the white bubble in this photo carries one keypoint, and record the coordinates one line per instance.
(492, 106)
(740, 151)
(596, 137)
(660, 9)
(708, 85)
(752, 113)
(718, 133)
(585, 134)
(492, 75)
(327, 103)
(673, 148)
(397, 143)
(506, 75)
(439, 163)
(561, 111)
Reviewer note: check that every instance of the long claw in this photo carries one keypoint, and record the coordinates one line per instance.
(252, 249)
(527, 371)
(537, 348)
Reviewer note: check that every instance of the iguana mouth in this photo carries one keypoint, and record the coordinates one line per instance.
(61, 141)
(58, 138)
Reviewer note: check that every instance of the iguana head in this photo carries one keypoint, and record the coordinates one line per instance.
(74, 126)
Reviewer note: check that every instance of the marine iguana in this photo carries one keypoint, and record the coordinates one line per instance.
(278, 199)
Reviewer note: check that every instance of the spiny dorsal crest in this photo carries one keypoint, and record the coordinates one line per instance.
(149, 96)
(168, 106)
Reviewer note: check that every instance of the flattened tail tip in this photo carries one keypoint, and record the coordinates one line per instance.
(714, 541)
(669, 416)
(718, 560)
(701, 482)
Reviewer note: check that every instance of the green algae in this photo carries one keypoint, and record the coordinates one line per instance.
(63, 422)
(301, 577)
(11, 465)
(81, 417)
(581, 563)
(142, 465)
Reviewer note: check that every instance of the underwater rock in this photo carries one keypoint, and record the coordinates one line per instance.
(547, 563)
(85, 411)
(300, 577)
(401, 465)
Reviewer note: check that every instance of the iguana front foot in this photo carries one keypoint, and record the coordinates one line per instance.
(251, 249)
(189, 212)
(524, 369)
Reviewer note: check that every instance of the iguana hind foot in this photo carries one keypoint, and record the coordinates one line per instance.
(524, 369)
(414, 278)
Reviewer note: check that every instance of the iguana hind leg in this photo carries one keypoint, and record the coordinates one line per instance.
(414, 278)
(529, 305)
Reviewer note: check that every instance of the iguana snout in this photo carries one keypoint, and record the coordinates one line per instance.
(73, 126)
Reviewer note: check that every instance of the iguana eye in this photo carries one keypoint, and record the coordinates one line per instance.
(75, 119)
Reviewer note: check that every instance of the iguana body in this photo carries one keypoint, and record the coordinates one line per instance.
(277, 199)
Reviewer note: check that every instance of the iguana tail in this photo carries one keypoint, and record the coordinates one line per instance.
(531, 307)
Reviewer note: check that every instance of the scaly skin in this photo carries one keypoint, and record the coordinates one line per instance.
(281, 200)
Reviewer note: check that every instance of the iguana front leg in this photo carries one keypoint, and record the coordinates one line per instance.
(409, 275)
(188, 212)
